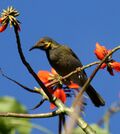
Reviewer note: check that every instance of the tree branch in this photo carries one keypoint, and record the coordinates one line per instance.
(20, 115)
(114, 108)
(16, 82)
(84, 125)
(29, 68)
(86, 128)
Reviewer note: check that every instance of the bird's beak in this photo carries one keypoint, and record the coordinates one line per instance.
(33, 48)
(38, 45)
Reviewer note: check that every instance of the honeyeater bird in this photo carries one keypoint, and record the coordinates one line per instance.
(64, 61)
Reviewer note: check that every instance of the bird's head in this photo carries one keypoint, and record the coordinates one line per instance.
(45, 43)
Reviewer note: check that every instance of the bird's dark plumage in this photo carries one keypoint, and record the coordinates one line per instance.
(64, 61)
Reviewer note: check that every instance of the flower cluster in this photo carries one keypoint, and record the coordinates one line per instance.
(8, 16)
(58, 91)
(110, 64)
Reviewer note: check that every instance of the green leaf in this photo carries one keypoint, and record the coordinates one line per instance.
(12, 125)
(9, 104)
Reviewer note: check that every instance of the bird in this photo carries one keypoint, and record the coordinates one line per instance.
(64, 60)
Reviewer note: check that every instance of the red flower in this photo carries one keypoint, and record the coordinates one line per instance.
(60, 94)
(111, 64)
(103, 65)
(100, 51)
(53, 71)
(46, 77)
(115, 65)
(3, 26)
(9, 16)
(1, 20)
(74, 86)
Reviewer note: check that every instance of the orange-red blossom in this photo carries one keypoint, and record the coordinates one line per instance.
(2, 26)
(111, 64)
(46, 77)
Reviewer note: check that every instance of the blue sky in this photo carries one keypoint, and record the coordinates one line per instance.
(79, 24)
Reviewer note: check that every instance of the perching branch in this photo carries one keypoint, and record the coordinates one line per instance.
(79, 69)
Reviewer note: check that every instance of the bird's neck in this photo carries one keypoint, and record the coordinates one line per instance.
(48, 55)
(51, 53)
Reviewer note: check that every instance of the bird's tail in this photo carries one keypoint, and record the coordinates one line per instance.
(95, 97)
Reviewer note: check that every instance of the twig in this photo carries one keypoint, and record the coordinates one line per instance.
(86, 128)
(19, 84)
(20, 115)
(84, 125)
(60, 123)
(114, 108)
(74, 116)
(29, 68)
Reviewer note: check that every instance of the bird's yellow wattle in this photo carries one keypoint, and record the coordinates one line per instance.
(47, 45)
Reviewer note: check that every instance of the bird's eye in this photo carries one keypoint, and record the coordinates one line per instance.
(42, 42)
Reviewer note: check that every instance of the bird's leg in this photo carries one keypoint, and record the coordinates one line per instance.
(56, 77)
(60, 79)
(78, 69)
